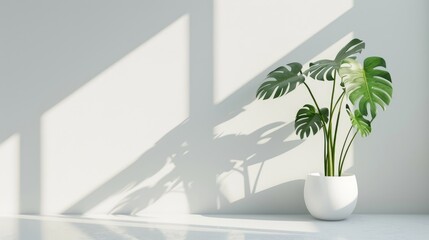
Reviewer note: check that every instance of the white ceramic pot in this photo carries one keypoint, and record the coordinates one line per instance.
(330, 198)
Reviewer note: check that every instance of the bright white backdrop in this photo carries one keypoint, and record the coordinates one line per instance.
(148, 106)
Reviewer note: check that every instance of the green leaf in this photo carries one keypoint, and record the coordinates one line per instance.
(322, 70)
(368, 86)
(281, 81)
(325, 69)
(359, 122)
(352, 48)
(309, 120)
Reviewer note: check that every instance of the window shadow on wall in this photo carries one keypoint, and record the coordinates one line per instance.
(89, 39)
(200, 157)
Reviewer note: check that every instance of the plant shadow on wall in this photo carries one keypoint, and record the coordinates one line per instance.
(198, 177)
(194, 170)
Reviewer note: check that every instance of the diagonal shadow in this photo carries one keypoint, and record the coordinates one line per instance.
(199, 163)
(67, 62)
(227, 156)
(63, 63)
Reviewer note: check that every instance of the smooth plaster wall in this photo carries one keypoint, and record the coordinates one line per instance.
(138, 107)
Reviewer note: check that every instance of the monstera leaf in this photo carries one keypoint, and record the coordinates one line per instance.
(308, 120)
(324, 69)
(359, 122)
(281, 81)
(368, 86)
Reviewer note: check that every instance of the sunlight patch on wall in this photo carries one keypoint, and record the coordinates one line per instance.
(159, 193)
(9, 175)
(173, 201)
(232, 184)
(251, 35)
(108, 123)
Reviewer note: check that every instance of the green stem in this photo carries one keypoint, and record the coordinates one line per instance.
(325, 131)
(332, 97)
(325, 162)
(339, 99)
(348, 146)
(336, 125)
(338, 118)
(314, 99)
(328, 157)
(347, 150)
(342, 150)
(331, 114)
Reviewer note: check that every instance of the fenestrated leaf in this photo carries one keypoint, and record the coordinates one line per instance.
(324, 69)
(359, 122)
(309, 120)
(352, 48)
(281, 81)
(369, 86)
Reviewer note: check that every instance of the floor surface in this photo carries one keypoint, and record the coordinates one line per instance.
(207, 227)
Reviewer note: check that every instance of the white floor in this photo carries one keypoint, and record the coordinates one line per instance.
(207, 227)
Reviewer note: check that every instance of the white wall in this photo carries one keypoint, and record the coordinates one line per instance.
(148, 106)
(392, 162)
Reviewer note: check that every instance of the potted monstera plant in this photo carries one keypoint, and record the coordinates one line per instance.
(365, 88)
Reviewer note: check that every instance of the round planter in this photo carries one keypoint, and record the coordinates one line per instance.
(330, 198)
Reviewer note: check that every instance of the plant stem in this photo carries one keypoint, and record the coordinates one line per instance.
(338, 118)
(339, 99)
(345, 154)
(348, 146)
(332, 98)
(332, 144)
(325, 131)
(328, 157)
(314, 99)
(343, 158)
(342, 150)
(336, 126)
(325, 162)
